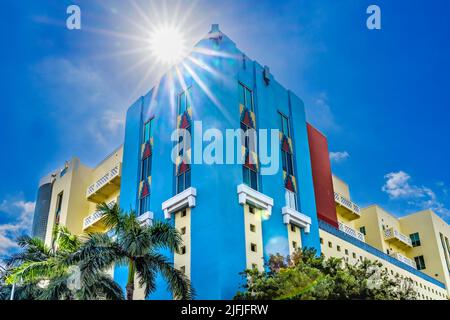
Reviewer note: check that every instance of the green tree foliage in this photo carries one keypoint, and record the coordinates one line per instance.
(40, 272)
(136, 246)
(307, 276)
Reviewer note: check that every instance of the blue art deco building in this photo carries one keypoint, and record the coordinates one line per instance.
(230, 216)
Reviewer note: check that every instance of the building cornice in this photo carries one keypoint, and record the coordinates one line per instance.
(185, 199)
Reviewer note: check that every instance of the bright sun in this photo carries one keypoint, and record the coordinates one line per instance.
(167, 44)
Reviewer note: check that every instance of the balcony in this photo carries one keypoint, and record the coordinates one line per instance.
(403, 259)
(93, 222)
(346, 208)
(106, 185)
(394, 236)
(351, 232)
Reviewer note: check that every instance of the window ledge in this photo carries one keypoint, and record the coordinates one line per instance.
(185, 199)
(146, 218)
(299, 219)
(255, 198)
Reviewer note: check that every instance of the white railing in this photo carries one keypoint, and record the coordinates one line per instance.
(394, 233)
(107, 177)
(343, 201)
(403, 259)
(351, 232)
(96, 216)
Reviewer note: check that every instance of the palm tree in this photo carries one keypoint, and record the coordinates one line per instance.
(44, 273)
(137, 246)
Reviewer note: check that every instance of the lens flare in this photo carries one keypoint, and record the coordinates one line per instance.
(167, 44)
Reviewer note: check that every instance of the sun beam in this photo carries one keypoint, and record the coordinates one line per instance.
(167, 44)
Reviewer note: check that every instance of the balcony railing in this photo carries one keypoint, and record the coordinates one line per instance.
(92, 219)
(394, 235)
(403, 259)
(104, 186)
(349, 209)
(352, 232)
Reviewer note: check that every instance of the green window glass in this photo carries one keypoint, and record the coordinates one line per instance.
(285, 125)
(415, 239)
(245, 97)
(147, 131)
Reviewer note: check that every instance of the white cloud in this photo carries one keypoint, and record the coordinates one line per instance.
(339, 156)
(84, 102)
(19, 213)
(398, 187)
(319, 114)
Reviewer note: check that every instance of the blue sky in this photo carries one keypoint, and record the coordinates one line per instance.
(381, 97)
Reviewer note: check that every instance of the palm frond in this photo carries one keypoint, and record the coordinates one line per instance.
(164, 235)
(112, 215)
(177, 282)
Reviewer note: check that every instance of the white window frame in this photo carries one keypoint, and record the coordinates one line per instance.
(291, 199)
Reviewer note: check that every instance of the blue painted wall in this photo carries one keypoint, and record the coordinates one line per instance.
(217, 221)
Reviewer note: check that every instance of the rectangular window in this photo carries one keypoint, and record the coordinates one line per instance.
(253, 247)
(415, 239)
(362, 230)
(330, 245)
(183, 213)
(183, 269)
(147, 130)
(252, 228)
(294, 244)
(284, 125)
(250, 177)
(183, 250)
(338, 248)
(291, 199)
(183, 230)
(447, 260)
(420, 262)
(245, 96)
(184, 101)
(251, 209)
(59, 200)
(146, 168)
(293, 228)
(287, 162)
(144, 204)
(184, 181)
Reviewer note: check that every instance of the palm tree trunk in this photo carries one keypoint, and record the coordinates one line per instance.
(130, 283)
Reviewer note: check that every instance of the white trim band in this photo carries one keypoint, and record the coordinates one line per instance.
(296, 218)
(146, 218)
(185, 199)
(255, 198)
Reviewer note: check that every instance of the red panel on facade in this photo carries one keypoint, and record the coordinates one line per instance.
(323, 182)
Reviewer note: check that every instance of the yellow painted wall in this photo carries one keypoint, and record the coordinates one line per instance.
(74, 206)
(429, 226)
(341, 187)
(184, 260)
(373, 218)
(353, 254)
(74, 184)
(255, 237)
(294, 238)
